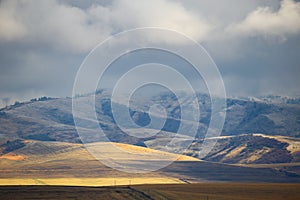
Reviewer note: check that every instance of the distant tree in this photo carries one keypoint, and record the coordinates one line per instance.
(43, 98)
(33, 100)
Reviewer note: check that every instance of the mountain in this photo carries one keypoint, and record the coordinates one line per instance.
(49, 119)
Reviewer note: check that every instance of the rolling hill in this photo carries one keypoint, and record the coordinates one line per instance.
(251, 149)
(48, 163)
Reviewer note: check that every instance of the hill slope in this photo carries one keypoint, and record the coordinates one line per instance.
(250, 149)
(45, 161)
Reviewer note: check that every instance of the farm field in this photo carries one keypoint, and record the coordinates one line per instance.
(89, 181)
(211, 191)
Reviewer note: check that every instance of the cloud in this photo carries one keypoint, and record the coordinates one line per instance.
(70, 28)
(164, 14)
(51, 24)
(42, 43)
(10, 28)
(266, 22)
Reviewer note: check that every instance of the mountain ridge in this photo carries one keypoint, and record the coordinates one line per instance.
(51, 119)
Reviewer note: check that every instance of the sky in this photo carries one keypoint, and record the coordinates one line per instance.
(255, 44)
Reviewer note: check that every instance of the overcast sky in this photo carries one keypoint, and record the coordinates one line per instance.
(255, 44)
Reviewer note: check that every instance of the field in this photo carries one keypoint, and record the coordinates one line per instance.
(211, 191)
(57, 170)
(223, 191)
(89, 181)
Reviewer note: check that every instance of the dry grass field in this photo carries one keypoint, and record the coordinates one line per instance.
(89, 181)
(57, 170)
(59, 163)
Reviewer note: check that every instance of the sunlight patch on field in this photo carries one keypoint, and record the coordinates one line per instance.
(126, 152)
(89, 181)
(138, 149)
(12, 156)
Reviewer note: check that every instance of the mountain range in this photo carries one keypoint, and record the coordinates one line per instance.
(260, 134)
